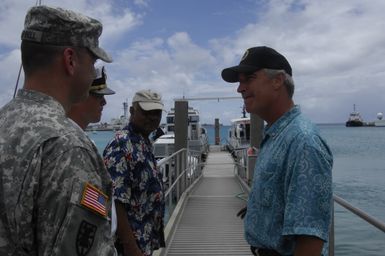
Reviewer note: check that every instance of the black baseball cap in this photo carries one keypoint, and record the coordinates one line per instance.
(254, 59)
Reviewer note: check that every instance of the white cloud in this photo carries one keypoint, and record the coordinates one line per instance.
(336, 49)
(11, 19)
(142, 3)
(190, 57)
(170, 66)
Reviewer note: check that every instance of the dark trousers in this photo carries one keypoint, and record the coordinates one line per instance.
(263, 252)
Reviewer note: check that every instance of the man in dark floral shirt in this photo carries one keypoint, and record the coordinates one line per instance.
(139, 194)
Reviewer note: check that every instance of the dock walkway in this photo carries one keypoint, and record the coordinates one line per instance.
(207, 224)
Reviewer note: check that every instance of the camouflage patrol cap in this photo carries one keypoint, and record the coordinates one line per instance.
(57, 26)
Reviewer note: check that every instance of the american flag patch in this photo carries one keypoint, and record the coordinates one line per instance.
(94, 199)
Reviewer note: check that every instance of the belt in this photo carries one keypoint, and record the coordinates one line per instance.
(263, 252)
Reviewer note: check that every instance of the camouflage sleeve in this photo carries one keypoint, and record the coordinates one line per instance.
(66, 224)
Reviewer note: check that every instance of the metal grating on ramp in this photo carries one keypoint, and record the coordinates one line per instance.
(208, 224)
(209, 227)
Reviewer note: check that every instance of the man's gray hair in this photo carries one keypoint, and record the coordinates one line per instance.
(289, 82)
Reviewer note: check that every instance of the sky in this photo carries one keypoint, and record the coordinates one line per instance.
(179, 47)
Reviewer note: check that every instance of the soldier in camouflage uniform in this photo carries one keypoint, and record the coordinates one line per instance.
(54, 189)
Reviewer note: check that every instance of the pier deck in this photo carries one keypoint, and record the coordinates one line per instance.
(207, 224)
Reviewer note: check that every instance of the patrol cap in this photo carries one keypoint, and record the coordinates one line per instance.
(254, 59)
(57, 26)
(99, 85)
(148, 100)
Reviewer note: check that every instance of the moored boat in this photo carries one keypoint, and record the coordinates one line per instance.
(239, 133)
(239, 138)
(196, 136)
(355, 119)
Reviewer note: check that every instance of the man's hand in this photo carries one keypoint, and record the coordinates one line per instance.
(241, 214)
(308, 246)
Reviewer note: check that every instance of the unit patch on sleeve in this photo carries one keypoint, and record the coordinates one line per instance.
(94, 199)
(85, 238)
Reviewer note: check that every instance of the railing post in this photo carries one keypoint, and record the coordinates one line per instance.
(177, 173)
(331, 234)
(216, 129)
(185, 165)
(170, 182)
(181, 125)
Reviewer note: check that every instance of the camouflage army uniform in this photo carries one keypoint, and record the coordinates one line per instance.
(45, 163)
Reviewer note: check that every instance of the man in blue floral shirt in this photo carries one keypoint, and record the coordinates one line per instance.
(290, 204)
(138, 194)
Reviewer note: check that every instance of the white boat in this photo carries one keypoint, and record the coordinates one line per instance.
(239, 133)
(115, 124)
(239, 139)
(164, 146)
(197, 140)
(196, 136)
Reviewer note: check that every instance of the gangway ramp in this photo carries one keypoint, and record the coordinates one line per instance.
(207, 224)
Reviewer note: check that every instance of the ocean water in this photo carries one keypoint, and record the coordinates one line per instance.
(358, 177)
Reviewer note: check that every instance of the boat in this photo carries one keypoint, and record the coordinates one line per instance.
(238, 140)
(239, 134)
(355, 119)
(115, 124)
(164, 146)
(197, 138)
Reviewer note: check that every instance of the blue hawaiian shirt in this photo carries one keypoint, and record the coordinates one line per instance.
(292, 186)
(138, 185)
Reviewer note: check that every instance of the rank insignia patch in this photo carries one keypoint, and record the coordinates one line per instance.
(94, 199)
(85, 238)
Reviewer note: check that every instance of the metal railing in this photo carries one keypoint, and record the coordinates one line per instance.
(180, 170)
(358, 212)
(242, 173)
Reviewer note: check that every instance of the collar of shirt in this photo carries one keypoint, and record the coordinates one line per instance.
(281, 123)
(134, 130)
